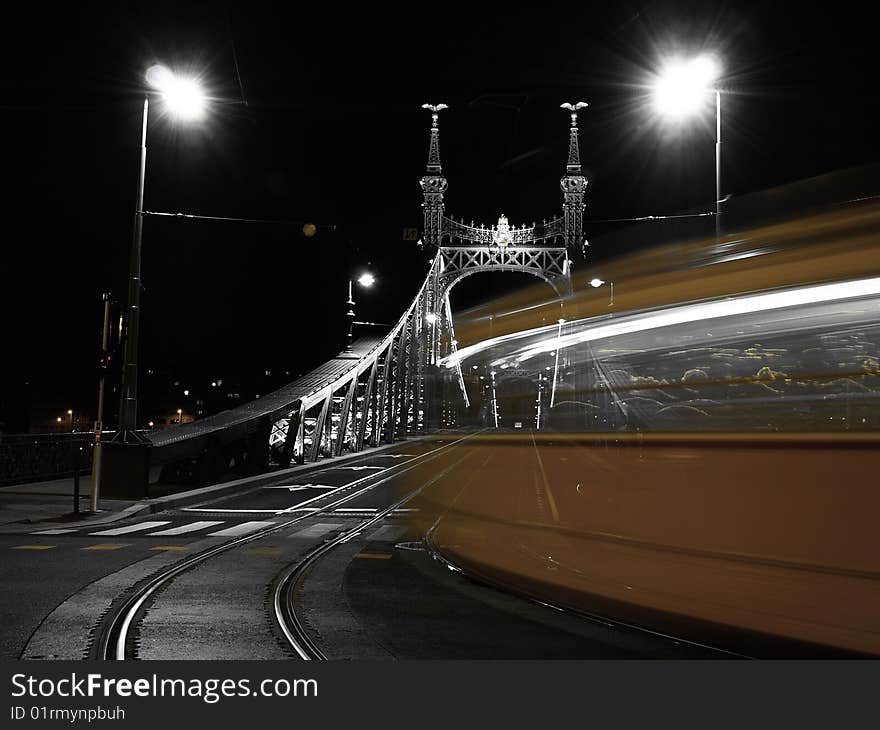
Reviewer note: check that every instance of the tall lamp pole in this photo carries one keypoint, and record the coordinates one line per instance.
(128, 403)
(185, 100)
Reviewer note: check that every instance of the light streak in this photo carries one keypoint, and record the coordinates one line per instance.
(670, 316)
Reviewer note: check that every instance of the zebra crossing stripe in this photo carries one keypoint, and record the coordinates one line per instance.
(322, 528)
(243, 529)
(56, 532)
(131, 528)
(183, 529)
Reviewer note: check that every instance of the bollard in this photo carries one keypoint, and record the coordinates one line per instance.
(77, 457)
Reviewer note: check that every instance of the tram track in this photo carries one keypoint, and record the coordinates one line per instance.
(116, 627)
(289, 580)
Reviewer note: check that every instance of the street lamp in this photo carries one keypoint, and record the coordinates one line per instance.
(366, 280)
(680, 90)
(597, 282)
(180, 416)
(70, 414)
(185, 100)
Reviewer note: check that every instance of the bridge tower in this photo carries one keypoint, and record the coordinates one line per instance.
(462, 249)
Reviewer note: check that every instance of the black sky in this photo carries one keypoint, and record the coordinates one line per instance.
(332, 133)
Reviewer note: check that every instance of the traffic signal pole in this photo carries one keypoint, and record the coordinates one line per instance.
(99, 426)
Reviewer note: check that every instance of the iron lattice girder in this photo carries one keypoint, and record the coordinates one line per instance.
(459, 261)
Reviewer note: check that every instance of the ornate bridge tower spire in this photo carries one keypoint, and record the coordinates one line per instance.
(573, 184)
(433, 183)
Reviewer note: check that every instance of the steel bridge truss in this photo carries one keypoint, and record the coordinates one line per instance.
(380, 400)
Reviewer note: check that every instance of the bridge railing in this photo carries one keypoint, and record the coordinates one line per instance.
(41, 457)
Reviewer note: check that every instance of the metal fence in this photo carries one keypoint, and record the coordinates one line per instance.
(39, 457)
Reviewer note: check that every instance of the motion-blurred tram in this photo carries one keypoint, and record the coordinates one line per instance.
(702, 452)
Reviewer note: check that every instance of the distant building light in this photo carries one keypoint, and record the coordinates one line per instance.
(213, 383)
(186, 392)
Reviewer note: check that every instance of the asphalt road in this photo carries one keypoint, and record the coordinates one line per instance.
(379, 594)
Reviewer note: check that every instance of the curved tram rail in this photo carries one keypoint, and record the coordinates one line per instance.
(114, 633)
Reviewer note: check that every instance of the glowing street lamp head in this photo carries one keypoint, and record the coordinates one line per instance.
(366, 279)
(681, 87)
(183, 96)
(596, 283)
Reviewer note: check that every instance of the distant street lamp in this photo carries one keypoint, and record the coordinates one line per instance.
(179, 416)
(596, 283)
(70, 415)
(680, 90)
(366, 280)
(185, 100)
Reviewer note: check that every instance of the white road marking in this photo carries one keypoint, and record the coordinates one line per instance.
(394, 456)
(233, 511)
(322, 528)
(359, 468)
(299, 487)
(183, 529)
(56, 532)
(361, 510)
(243, 529)
(131, 528)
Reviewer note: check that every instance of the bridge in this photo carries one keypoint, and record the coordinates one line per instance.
(381, 390)
(678, 469)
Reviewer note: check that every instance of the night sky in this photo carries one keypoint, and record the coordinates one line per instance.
(321, 122)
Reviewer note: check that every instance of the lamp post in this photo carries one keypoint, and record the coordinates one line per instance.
(680, 90)
(184, 99)
(366, 280)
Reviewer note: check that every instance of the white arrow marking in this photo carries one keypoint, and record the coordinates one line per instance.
(359, 468)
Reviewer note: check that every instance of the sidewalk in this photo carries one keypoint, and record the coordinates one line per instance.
(51, 502)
